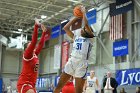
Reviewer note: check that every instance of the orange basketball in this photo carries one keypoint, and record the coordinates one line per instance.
(77, 11)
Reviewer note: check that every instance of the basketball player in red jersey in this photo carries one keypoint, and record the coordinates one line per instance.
(27, 79)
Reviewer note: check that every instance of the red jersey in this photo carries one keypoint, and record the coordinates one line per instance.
(30, 60)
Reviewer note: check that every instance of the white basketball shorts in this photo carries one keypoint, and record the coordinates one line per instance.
(76, 67)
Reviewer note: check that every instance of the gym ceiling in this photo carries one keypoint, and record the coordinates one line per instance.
(17, 16)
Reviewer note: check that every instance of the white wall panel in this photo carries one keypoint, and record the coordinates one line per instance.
(10, 61)
(47, 61)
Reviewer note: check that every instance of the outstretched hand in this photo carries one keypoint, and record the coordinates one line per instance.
(37, 21)
(43, 28)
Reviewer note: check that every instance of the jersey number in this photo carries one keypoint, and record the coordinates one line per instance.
(90, 85)
(36, 67)
(79, 46)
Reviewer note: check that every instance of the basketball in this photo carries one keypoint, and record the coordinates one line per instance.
(77, 11)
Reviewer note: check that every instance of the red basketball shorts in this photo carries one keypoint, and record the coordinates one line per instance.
(24, 88)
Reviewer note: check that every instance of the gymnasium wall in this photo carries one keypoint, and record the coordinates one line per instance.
(104, 57)
(47, 58)
(11, 65)
(11, 62)
(47, 61)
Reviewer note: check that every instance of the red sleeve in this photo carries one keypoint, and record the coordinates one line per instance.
(40, 44)
(29, 50)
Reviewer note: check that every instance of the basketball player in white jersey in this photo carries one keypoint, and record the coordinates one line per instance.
(91, 84)
(77, 63)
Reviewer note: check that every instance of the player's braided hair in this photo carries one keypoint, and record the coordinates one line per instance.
(87, 34)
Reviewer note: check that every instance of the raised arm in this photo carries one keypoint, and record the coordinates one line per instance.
(42, 40)
(28, 54)
(86, 26)
(67, 27)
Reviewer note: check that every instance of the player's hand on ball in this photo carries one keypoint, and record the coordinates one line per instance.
(82, 9)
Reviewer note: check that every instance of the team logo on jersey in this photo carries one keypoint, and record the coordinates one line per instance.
(80, 40)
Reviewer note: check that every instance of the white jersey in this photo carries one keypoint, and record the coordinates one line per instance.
(78, 63)
(91, 82)
(81, 47)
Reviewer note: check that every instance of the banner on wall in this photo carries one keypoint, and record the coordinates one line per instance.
(121, 6)
(57, 56)
(91, 17)
(120, 48)
(44, 83)
(55, 31)
(57, 80)
(128, 76)
(65, 53)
